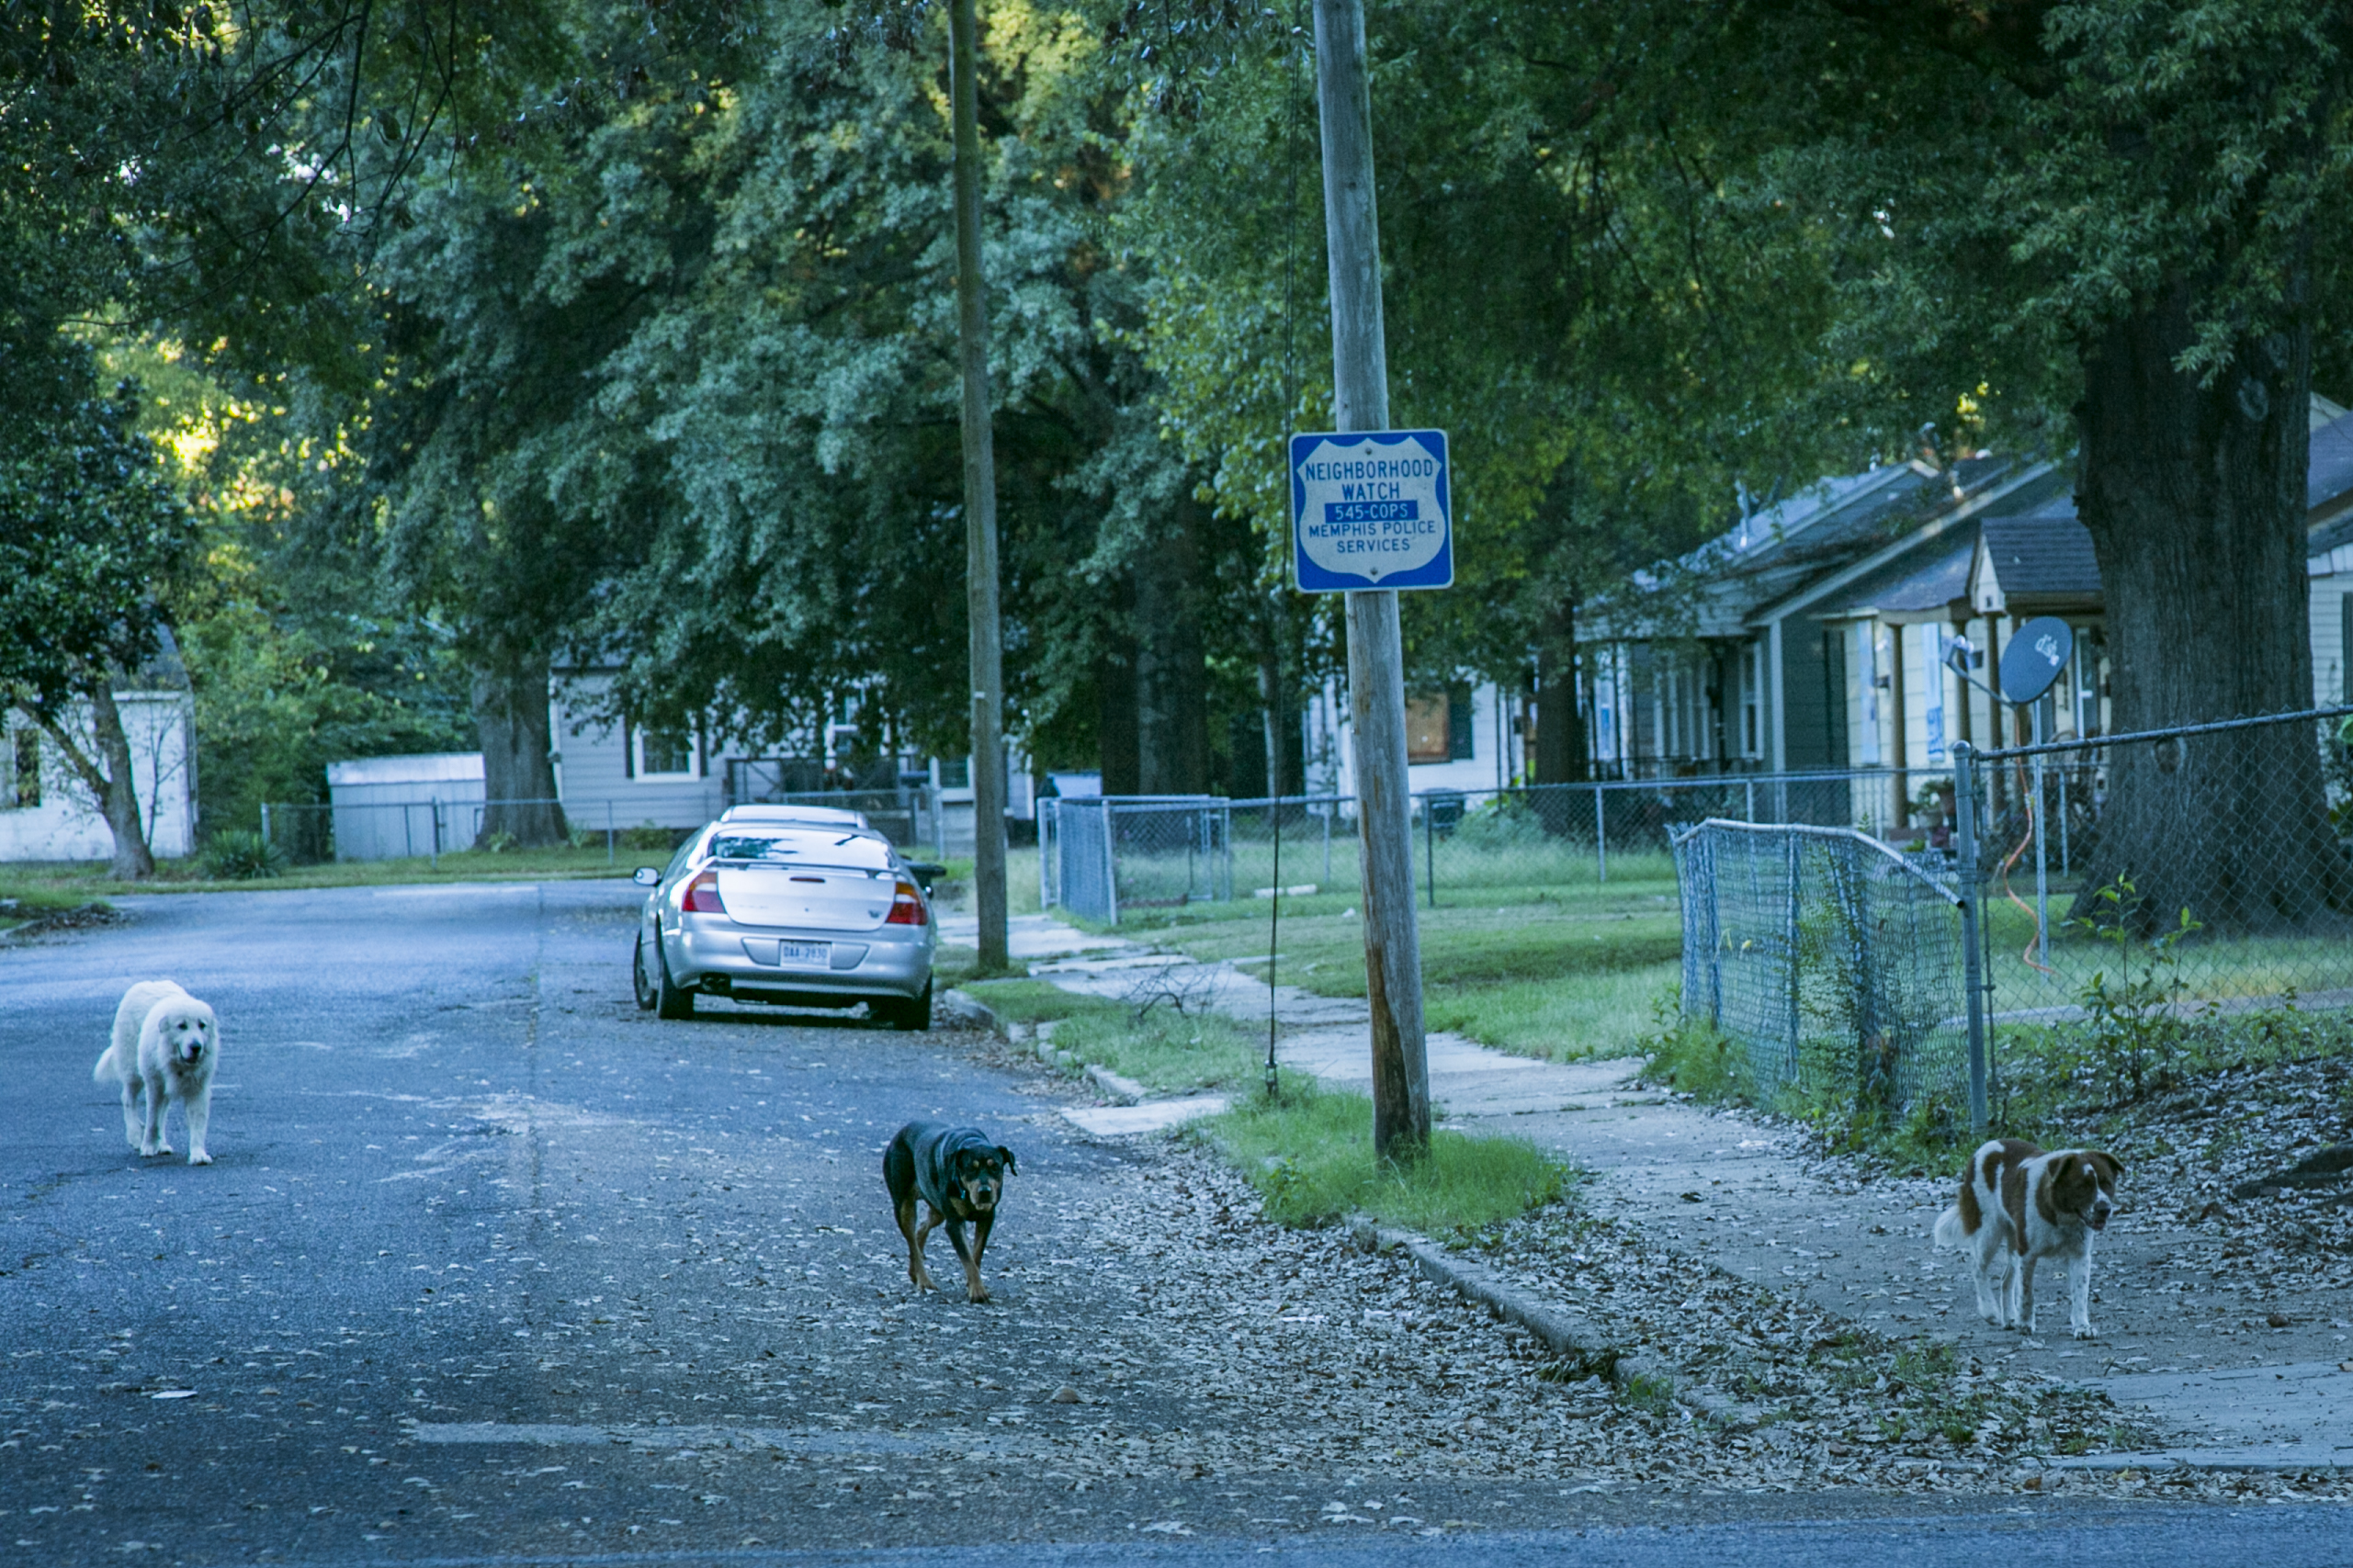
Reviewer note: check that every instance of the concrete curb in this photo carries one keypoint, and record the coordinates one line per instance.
(1569, 1335)
(968, 1010)
(1120, 1090)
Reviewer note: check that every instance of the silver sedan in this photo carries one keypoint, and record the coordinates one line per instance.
(796, 905)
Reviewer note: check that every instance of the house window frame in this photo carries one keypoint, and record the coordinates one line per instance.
(644, 774)
(1752, 700)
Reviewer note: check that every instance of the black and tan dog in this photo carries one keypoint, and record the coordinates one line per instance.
(960, 1177)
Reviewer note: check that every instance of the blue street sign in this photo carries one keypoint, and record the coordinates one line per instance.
(1374, 509)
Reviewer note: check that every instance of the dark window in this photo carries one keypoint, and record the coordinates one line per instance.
(668, 751)
(2343, 646)
(1459, 742)
(25, 789)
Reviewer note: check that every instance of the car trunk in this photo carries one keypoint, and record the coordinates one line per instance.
(812, 896)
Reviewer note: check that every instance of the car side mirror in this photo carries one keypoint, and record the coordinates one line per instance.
(926, 872)
(646, 875)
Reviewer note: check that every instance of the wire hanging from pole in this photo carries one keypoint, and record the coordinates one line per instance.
(1275, 630)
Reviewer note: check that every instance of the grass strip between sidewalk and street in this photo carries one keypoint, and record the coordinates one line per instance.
(1308, 1151)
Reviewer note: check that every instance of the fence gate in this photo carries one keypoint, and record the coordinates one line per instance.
(1832, 958)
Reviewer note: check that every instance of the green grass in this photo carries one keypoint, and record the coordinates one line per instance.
(77, 882)
(1309, 1154)
(1164, 1049)
(30, 904)
(1568, 975)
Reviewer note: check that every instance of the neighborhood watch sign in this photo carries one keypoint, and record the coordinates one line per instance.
(1371, 509)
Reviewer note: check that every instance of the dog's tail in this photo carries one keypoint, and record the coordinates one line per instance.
(1948, 1229)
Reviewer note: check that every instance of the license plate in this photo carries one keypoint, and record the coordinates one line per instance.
(818, 953)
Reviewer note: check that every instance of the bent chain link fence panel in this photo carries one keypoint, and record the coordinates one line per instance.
(1832, 958)
(2158, 898)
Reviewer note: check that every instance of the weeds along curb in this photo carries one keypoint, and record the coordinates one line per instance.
(1571, 1336)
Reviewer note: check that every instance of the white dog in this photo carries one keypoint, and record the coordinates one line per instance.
(166, 1046)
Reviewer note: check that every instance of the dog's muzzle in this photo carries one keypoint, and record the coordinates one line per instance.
(2100, 1218)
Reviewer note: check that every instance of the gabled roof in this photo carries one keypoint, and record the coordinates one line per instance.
(1783, 549)
(2042, 560)
(1905, 562)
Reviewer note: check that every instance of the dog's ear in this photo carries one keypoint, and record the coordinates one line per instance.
(2114, 1166)
(1007, 1155)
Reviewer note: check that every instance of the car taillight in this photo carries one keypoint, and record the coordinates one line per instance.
(906, 907)
(703, 896)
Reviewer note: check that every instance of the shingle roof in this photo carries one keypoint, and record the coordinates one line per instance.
(2046, 553)
(2330, 473)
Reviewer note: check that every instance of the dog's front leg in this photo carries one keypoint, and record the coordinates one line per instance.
(980, 1228)
(198, 1111)
(974, 1290)
(2079, 1292)
(157, 1104)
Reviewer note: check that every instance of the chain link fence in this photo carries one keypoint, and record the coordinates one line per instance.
(1833, 959)
(2158, 902)
(1100, 856)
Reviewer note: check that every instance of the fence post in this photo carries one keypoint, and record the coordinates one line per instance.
(1042, 808)
(1796, 970)
(1601, 837)
(436, 833)
(608, 830)
(1964, 847)
(264, 827)
(1225, 850)
(1751, 788)
(1331, 809)
(1110, 866)
(1430, 846)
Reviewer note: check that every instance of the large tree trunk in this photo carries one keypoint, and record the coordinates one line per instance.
(118, 790)
(510, 717)
(1171, 675)
(1115, 704)
(1560, 726)
(2195, 500)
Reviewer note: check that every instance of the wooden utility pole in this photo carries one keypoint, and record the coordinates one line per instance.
(979, 500)
(1375, 647)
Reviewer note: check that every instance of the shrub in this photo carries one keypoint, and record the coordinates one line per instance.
(646, 836)
(241, 854)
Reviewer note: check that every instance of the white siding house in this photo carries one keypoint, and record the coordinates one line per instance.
(48, 814)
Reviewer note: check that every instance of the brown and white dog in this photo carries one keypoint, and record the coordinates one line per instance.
(2019, 1206)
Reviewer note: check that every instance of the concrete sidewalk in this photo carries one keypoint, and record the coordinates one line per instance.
(1742, 1196)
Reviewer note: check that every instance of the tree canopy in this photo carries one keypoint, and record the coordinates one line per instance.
(594, 332)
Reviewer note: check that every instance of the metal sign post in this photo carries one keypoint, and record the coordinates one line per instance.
(2038, 651)
(1375, 644)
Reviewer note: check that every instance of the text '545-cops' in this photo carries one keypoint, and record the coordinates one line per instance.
(1371, 509)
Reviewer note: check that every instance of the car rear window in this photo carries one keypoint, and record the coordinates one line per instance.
(800, 845)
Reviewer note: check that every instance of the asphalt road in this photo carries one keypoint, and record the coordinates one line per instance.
(492, 1267)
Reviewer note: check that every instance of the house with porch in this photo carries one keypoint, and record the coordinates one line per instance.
(1823, 624)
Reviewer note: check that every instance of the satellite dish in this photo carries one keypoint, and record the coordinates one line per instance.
(2038, 651)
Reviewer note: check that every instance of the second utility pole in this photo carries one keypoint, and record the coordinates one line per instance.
(1360, 358)
(988, 773)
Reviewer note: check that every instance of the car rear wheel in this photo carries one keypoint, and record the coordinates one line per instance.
(674, 1001)
(648, 994)
(912, 1014)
